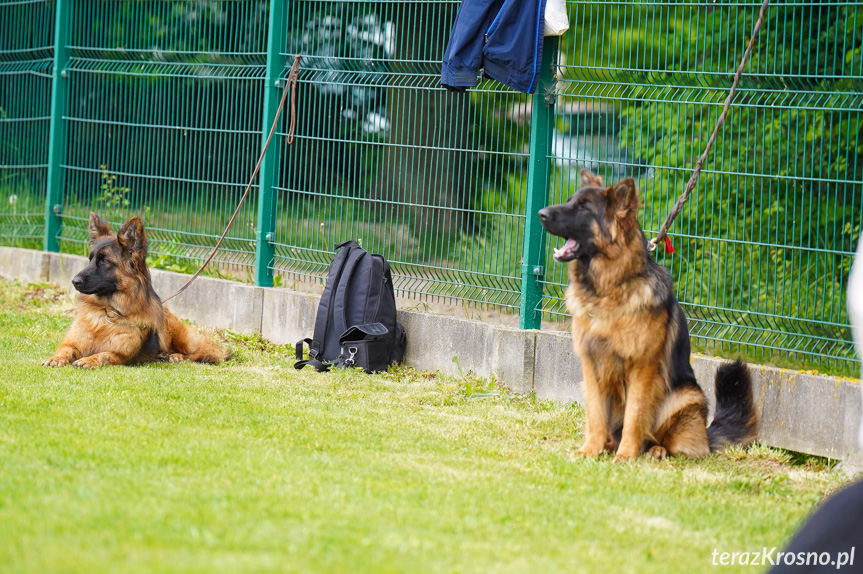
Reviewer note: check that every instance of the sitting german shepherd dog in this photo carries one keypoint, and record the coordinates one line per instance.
(630, 333)
(120, 320)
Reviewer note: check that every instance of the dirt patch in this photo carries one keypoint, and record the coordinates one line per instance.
(22, 297)
(45, 293)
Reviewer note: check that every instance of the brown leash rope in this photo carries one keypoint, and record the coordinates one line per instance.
(293, 77)
(693, 180)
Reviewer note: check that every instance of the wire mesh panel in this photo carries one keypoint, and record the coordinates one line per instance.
(383, 155)
(26, 57)
(164, 122)
(764, 245)
(163, 104)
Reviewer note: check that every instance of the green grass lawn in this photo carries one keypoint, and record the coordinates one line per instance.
(252, 466)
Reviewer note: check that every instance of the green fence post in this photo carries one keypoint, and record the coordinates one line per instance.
(541, 129)
(266, 228)
(57, 134)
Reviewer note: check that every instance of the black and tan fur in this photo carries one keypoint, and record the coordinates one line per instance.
(630, 333)
(120, 319)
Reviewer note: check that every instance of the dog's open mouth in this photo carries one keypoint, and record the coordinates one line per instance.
(567, 252)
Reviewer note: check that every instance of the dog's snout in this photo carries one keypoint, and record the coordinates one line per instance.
(77, 281)
(544, 214)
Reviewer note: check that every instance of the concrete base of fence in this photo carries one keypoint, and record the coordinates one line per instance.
(808, 413)
(24, 264)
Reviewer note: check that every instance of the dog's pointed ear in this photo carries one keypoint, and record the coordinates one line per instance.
(623, 196)
(97, 228)
(131, 238)
(588, 178)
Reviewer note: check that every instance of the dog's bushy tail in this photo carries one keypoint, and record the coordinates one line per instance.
(735, 421)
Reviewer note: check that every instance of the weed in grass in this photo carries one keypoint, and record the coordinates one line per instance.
(420, 306)
(113, 196)
(245, 347)
(256, 342)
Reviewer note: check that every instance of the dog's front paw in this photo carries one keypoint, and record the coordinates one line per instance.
(593, 446)
(589, 450)
(176, 358)
(658, 451)
(621, 458)
(626, 454)
(55, 361)
(91, 362)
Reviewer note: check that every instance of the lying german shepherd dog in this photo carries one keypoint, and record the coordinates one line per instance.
(120, 320)
(630, 333)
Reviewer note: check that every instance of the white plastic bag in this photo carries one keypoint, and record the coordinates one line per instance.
(556, 20)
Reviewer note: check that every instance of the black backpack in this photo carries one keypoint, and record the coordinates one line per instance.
(356, 321)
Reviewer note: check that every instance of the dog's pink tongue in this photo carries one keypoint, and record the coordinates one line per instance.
(568, 246)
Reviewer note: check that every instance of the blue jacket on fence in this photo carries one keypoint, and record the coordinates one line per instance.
(503, 37)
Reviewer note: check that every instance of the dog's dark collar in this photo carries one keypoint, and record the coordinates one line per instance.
(111, 313)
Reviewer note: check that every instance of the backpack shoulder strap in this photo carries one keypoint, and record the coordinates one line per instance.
(328, 297)
(340, 299)
(350, 242)
(375, 278)
(300, 363)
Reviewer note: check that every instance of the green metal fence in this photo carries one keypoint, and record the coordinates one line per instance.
(160, 108)
(26, 56)
(763, 246)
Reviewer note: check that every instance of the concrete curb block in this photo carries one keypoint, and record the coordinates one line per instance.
(24, 264)
(435, 340)
(557, 371)
(814, 414)
(62, 267)
(213, 302)
(513, 358)
(803, 412)
(288, 316)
